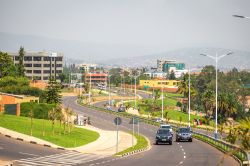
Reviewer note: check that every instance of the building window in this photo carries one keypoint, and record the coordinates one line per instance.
(59, 71)
(46, 65)
(59, 58)
(27, 58)
(45, 78)
(37, 71)
(28, 71)
(37, 58)
(58, 65)
(46, 71)
(46, 58)
(37, 78)
(28, 65)
(16, 58)
(37, 65)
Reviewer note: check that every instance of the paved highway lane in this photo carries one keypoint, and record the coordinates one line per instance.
(183, 153)
(11, 149)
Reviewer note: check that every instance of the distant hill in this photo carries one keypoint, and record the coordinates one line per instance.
(190, 56)
(79, 52)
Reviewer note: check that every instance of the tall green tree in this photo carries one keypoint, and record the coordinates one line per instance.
(183, 87)
(53, 92)
(7, 67)
(20, 66)
(172, 75)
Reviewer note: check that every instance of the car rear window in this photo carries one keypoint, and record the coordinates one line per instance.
(163, 132)
(165, 127)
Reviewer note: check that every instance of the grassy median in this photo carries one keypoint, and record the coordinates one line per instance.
(141, 144)
(43, 129)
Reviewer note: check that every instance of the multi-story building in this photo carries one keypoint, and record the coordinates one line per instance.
(96, 78)
(160, 83)
(161, 62)
(86, 68)
(41, 65)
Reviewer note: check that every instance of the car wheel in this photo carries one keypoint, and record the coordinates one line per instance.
(170, 143)
(156, 143)
(176, 140)
(191, 140)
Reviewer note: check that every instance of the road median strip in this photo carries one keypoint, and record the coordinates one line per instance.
(143, 144)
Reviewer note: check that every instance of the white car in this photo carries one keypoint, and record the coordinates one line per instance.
(167, 126)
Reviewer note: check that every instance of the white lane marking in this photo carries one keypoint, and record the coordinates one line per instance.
(184, 157)
(182, 149)
(181, 162)
(70, 158)
(184, 153)
(180, 146)
(178, 143)
(28, 154)
(1, 148)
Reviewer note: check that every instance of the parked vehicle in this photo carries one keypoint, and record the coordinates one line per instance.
(184, 133)
(167, 126)
(122, 108)
(163, 136)
(159, 120)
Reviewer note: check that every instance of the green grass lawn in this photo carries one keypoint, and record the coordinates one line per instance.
(141, 144)
(175, 115)
(77, 137)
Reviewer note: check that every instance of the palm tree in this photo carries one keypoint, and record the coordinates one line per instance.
(183, 86)
(243, 131)
(208, 100)
(70, 114)
(53, 117)
(166, 116)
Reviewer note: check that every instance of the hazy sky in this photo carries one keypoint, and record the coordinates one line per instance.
(155, 25)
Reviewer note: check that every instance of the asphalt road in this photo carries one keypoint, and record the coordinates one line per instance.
(11, 149)
(183, 153)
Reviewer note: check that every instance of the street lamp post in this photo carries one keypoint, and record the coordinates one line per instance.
(89, 87)
(216, 58)
(162, 96)
(189, 97)
(240, 16)
(135, 92)
(109, 91)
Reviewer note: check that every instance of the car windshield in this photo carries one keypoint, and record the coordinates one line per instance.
(184, 130)
(163, 132)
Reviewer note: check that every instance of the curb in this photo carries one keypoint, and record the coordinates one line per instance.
(135, 152)
(32, 142)
(139, 150)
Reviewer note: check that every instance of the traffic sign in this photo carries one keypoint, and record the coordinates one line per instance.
(118, 121)
(134, 120)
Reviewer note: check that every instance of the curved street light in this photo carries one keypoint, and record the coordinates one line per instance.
(216, 58)
(240, 16)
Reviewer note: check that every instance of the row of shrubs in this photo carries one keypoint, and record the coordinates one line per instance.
(40, 110)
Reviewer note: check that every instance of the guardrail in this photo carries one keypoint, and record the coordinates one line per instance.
(233, 150)
(240, 155)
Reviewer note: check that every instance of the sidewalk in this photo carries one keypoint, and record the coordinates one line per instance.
(106, 143)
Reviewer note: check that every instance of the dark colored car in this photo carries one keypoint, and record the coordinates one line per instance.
(184, 133)
(163, 136)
